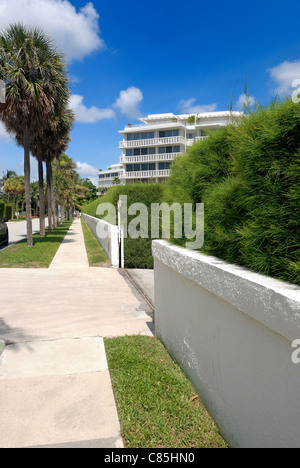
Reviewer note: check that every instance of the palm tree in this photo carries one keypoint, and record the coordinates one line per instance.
(55, 140)
(14, 186)
(9, 174)
(36, 87)
(68, 186)
(34, 186)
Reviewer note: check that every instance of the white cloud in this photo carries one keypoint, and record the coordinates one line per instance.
(284, 74)
(3, 133)
(186, 106)
(75, 33)
(129, 101)
(245, 101)
(86, 171)
(88, 115)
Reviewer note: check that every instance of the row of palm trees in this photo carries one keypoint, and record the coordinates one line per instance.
(67, 191)
(36, 112)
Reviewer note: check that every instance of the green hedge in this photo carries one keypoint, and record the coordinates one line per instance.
(2, 207)
(5, 210)
(248, 177)
(137, 252)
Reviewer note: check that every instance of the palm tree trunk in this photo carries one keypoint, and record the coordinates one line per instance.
(54, 209)
(13, 207)
(42, 198)
(17, 206)
(62, 210)
(27, 192)
(49, 177)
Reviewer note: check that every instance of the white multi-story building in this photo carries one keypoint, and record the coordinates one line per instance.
(114, 174)
(150, 148)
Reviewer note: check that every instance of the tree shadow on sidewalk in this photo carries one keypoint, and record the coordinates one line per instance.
(12, 335)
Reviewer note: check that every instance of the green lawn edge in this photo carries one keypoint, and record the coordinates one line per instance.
(158, 407)
(96, 254)
(19, 255)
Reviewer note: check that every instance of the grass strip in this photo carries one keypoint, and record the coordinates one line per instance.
(157, 405)
(96, 254)
(19, 255)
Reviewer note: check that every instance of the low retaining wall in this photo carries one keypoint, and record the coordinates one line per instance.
(231, 331)
(109, 241)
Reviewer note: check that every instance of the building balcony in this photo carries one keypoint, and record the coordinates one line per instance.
(145, 174)
(160, 141)
(152, 142)
(109, 176)
(149, 158)
(191, 141)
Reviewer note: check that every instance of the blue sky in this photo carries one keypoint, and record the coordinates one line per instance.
(129, 59)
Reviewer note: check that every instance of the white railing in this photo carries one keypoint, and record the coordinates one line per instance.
(191, 141)
(154, 126)
(152, 142)
(109, 177)
(149, 158)
(146, 174)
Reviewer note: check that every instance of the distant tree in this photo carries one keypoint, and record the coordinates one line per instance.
(116, 181)
(15, 186)
(91, 191)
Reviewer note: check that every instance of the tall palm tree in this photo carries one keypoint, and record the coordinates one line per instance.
(36, 87)
(15, 187)
(59, 138)
(64, 176)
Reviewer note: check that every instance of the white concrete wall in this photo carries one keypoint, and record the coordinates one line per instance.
(107, 235)
(231, 330)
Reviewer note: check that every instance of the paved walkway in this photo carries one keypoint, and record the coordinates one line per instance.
(55, 388)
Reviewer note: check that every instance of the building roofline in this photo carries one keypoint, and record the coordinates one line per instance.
(199, 115)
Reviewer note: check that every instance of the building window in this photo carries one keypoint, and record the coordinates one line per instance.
(140, 151)
(166, 149)
(164, 165)
(140, 167)
(168, 133)
(140, 136)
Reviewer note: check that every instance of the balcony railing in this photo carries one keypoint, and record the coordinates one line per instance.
(152, 142)
(160, 141)
(145, 174)
(110, 176)
(149, 158)
(191, 141)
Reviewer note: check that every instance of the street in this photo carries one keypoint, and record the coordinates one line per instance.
(17, 230)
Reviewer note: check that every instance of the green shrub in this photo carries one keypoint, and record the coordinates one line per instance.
(2, 207)
(137, 252)
(7, 214)
(248, 177)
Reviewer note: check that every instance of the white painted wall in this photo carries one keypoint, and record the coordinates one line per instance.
(109, 241)
(231, 331)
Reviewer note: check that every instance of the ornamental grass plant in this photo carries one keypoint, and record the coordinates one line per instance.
(248, 177)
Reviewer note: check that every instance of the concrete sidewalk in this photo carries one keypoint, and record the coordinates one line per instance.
(55, 388)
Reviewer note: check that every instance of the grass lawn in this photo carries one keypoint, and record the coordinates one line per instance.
(157, 405)
(19, 255)
(96, 255)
